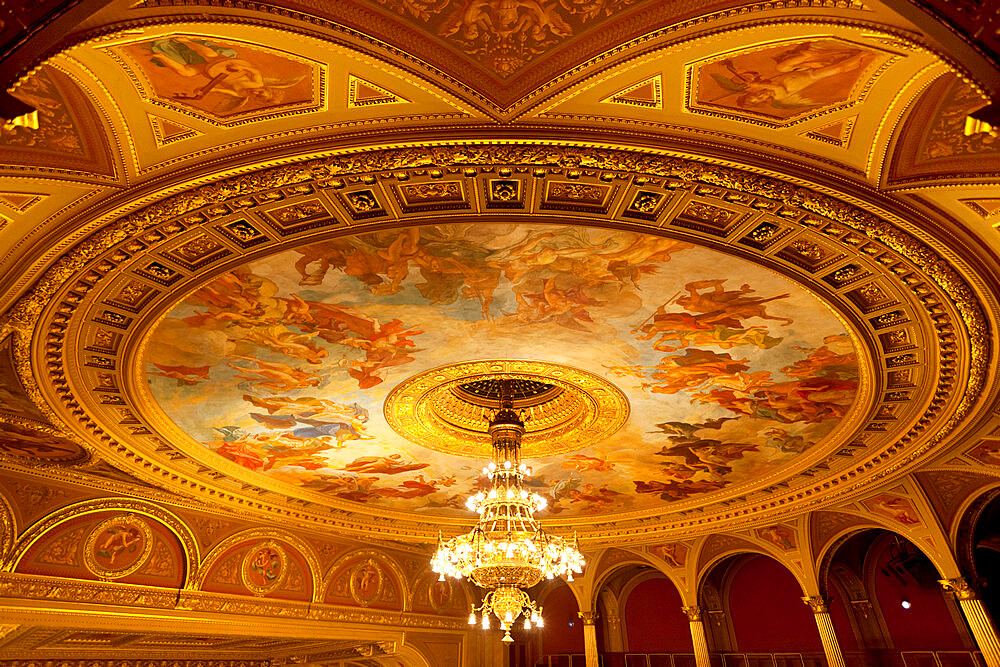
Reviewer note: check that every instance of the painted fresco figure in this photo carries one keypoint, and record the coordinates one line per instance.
(119, 541)
(797, 70)
(238, 80)
(267, 565)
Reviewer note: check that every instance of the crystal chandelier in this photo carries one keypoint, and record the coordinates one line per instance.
(507, 551)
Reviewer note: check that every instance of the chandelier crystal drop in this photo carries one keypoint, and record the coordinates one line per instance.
(507, 551)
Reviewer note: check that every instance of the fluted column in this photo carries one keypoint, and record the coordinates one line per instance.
(698, 638)
(824, 623)
(589, 636)
(983, 629)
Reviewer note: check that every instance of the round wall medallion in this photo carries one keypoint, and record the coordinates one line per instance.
(564, 408)
(367, 581)
(264, 568)
(440, 594)
(118, 547)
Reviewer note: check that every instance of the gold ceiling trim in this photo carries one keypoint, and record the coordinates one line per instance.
(673, 35)
(913, 311)
(424, 410)
(144, 599)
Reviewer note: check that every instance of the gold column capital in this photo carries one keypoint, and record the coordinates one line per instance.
(818, 603)
(960, 587)
(693, 613)
(588, 617)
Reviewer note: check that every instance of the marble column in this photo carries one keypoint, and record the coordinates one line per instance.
(590, 636)
(698, 638)
(983, 629)
(824, 623)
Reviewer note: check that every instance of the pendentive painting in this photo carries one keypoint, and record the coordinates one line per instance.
(282, 366)
(785, 81)
(218, 78)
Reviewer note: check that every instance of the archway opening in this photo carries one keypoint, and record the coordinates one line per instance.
(888, 608)
(640, 620)
(986, 556)
(754, 614)
(560, 641)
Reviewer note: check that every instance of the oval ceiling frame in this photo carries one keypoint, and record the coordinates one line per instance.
(77, 301)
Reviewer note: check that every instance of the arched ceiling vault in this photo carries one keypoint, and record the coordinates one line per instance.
(754, 243)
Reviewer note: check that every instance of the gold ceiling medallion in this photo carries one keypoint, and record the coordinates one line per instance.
(567, 408)
(117, 547)
(264, 568)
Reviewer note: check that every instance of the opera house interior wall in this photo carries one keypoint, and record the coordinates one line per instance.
(279, 278)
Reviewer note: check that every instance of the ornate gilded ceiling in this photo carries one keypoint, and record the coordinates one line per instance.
(688, 382)
(755, 241)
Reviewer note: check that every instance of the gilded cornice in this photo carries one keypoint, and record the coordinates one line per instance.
(55, 589)
(880, 277)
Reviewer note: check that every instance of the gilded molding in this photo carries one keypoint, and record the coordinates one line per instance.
(406, 592)
(34, 587)
(121, 505)
(886, 262)
(8, 528)
(43, 588)
(261, 537)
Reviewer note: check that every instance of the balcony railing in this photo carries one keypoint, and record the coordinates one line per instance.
(869, 658)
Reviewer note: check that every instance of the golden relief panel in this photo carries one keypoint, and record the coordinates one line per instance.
(427, 410)
(118, 546)
(507, 36)
(774, 219)
(264, 568)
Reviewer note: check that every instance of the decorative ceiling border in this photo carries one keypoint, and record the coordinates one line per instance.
(105, 288)
(312, 25)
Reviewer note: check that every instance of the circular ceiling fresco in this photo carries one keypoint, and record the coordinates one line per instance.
(722, 372)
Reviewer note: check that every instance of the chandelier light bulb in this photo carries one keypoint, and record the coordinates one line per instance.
(527, 624)
(472, 618)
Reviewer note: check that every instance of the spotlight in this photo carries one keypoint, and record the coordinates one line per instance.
(905, 604)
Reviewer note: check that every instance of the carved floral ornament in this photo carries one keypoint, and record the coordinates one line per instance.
(911, 311)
